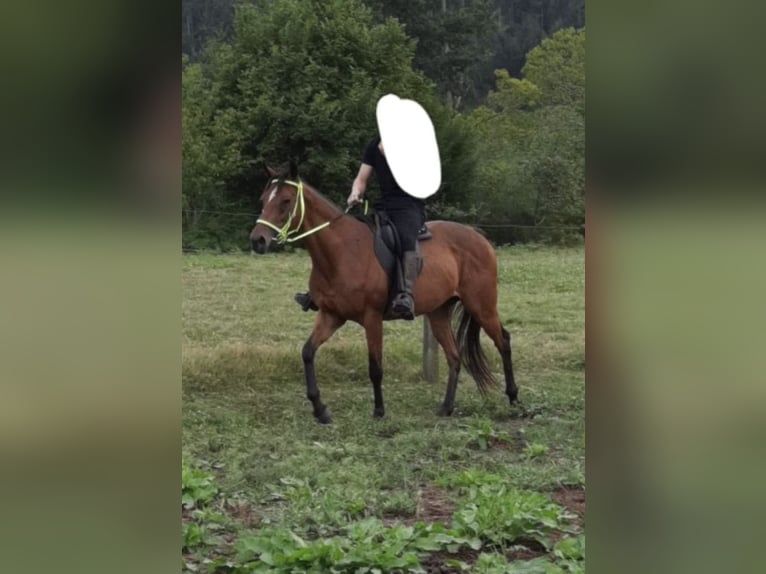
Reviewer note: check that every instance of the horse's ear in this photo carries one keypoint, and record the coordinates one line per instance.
(293, 170)
(270, 171)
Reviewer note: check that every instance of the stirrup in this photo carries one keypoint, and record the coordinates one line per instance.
(403, 307)
(305, 301)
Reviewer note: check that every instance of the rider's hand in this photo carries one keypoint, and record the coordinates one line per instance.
(354, 197)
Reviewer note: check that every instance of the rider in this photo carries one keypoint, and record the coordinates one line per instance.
(408, 216)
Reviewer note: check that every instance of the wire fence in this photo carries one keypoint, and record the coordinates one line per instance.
(500, 233)
(255, 216)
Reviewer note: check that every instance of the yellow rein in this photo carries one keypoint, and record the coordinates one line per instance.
(287, 235)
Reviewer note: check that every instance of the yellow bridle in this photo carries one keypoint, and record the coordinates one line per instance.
(284, 233)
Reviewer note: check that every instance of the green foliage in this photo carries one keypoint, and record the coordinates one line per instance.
(202, 20)
(210, 151)
(197, 487)
(201, 530)
(200, 523)
(455, 42)
(500, 516)
(531, 141)
(365, 546)
(370, 546)
(512, 95)
(470, 478)
(557, 66)
(299, 80)
(570, 553)
(535, 450)
(483, 433)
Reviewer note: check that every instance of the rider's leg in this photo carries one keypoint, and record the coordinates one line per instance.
(408, 224)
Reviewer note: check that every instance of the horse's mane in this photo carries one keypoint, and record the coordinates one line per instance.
(283, 175)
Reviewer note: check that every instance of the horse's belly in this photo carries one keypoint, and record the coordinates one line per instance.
(438, 281)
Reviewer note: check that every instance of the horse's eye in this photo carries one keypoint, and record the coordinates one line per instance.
(285, 202)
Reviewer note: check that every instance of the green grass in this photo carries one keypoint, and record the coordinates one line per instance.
(246, 417)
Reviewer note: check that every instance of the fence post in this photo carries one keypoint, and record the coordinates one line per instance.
(430, 354)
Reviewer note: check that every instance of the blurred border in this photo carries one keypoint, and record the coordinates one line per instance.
(89, 250)
(675, 283)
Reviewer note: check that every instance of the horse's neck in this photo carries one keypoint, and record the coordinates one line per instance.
(330, 245)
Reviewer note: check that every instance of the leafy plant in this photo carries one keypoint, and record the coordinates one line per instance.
(483, 432)
(197, 487)
(471, 477)
(501, 516)
(201, 531)
(367, 546)
(570, 554)
(535, 450)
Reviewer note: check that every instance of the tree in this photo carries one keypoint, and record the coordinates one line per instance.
(454, 42)
(202, 20)
(210, 151)
(557, 66)
(532, 140)
(300, 80)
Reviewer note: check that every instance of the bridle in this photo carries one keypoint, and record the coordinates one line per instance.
(287, 235)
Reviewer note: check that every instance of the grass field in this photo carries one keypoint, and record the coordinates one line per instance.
(267, 489)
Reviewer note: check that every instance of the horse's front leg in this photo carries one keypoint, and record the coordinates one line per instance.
(373, 328)
(325, 325)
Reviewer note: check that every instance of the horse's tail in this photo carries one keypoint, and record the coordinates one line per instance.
(467, 335)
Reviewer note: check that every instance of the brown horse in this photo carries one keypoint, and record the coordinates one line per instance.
(348, 284)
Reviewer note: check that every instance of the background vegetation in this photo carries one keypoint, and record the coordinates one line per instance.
(265, 81)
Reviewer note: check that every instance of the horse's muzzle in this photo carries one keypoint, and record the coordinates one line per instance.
(259, 244)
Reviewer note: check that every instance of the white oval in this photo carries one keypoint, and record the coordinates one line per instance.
(410, 146)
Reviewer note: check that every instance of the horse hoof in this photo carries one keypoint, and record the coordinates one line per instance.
(445, 411)
(513, 396)
(378, 413)
(324, 417)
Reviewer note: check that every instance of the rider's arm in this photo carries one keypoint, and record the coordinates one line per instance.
(360, 183)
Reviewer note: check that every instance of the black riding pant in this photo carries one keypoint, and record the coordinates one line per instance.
(407, 222)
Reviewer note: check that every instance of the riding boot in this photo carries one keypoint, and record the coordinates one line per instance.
(403, 306)
(305, 301)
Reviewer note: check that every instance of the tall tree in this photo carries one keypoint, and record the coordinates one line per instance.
(557, 67)
(532, 140)
(202, 20)
(300, 80)
(523, 24)
(454, 39)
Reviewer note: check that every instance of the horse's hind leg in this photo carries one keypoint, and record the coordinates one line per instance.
(440, 326)
(324, 327)
(489, 320)
(510, 384)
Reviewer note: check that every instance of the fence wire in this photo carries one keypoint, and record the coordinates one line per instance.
(255, 216)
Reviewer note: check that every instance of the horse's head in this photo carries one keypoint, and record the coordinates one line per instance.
(280, 212)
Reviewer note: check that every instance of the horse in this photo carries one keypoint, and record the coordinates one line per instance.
(347, 283)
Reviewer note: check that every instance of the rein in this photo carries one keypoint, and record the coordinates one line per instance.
(287, 235)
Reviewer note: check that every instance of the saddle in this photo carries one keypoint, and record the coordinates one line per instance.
(388, 250)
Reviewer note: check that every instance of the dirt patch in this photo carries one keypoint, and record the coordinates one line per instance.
(526, 550)
(433, 505)
(573, 499)
(436, 563)
(501, 443)
(243, 513)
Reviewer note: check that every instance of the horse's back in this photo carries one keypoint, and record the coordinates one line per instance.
(459, 237)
